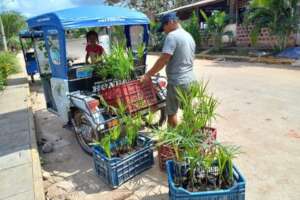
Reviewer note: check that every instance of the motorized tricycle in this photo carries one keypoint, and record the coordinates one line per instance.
(72, 91)
(26, 40)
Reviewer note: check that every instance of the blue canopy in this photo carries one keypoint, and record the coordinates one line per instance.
(89, 16)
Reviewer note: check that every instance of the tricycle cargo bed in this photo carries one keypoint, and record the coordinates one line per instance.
(134, 94)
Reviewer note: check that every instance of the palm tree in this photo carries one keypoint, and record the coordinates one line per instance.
(215, 26)
(232, 10)
(279, 16)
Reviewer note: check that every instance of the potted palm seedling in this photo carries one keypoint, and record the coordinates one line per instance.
(199, 109)
(201, 168)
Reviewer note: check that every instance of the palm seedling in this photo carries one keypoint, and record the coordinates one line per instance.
(225, 155)
(140, 51)
(199, 108)
(117, 65)
(104, 143)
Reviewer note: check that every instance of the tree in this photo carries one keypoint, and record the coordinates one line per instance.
(111, 2)
(3, 35)
(192, 26)
(13, 23)
(215, 26)
(279, 16)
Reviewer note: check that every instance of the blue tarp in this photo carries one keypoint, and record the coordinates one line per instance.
(292, 53)
(89, 16)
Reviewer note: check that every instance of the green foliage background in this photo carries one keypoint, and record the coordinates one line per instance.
(8, 65)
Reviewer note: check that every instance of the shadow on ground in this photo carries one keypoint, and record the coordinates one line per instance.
(16, 81)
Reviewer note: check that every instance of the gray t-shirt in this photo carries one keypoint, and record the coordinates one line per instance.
(181, 45)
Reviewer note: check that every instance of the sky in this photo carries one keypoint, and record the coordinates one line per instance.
(30, 8)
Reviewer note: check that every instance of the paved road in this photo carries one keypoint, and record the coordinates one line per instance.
(259, 108)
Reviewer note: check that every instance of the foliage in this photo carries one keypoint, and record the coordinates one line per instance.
(13, 43)
(215, 26)
(140, 51)
(192, 26)
(125, 143)
(117, 65)
(224, 156)
(13, 23)
(8, 65)
(192, 146)
(77, 33)
(156, 38)
(118, 35)
(132, 124)
(105, 144)
(279, 16)
(198, 107)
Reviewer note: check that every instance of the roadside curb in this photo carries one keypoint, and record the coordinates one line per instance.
(266, 60)
(36, 164)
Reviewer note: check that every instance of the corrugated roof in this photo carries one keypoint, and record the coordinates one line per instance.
(193, 5)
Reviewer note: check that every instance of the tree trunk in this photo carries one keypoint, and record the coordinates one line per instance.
(232, 10)
(3, 35)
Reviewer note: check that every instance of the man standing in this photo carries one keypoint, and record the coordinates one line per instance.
(178, 54)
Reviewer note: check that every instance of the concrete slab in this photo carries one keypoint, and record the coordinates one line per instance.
(15, 159)
(14, 141)
(16, 180)
(14, 126)
(21, 196)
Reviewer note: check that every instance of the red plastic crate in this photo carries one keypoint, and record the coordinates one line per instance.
(135, 95)
(166, 152)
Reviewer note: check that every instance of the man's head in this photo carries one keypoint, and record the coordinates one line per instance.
(168, 23)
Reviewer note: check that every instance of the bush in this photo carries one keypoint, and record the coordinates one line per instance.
(8, 65)
(156, 38)
(192, 26)
(13, 43)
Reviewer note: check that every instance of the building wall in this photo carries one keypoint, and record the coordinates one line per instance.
(298, 34)
(264, 40)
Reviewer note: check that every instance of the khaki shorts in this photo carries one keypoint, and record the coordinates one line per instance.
(172, 98)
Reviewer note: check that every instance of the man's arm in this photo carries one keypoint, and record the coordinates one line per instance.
(159, 64)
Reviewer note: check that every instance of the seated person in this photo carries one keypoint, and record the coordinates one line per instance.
(93, 49)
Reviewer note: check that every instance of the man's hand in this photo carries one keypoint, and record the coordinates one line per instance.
(160, 63)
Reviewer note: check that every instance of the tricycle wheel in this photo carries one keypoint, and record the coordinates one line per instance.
(159, 118)
(84, 132)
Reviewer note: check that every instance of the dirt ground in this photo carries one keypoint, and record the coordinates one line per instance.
(259, 111)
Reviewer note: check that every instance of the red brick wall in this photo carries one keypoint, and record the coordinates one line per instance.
(264, 40)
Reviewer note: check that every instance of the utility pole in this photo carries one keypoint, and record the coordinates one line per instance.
(3, 35)
(2, 32)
